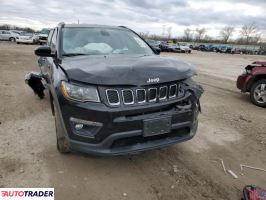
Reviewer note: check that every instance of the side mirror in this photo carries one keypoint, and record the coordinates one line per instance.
(157, 50)
(43, 51)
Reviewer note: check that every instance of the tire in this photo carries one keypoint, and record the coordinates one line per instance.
(258, 93)
(18, 43)
(61, 142)
(12, 39)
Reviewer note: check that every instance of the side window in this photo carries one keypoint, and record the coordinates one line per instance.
(50, 37)
(53, 42)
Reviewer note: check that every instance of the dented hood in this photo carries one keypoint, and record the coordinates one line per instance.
(126, 70)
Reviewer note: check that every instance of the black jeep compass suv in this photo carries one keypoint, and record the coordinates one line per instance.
(112, 94)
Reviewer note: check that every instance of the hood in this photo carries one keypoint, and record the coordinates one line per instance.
(126, 70)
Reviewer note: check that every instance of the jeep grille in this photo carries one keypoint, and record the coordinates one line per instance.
(143, 95)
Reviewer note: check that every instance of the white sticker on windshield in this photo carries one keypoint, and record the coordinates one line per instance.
(140, 42)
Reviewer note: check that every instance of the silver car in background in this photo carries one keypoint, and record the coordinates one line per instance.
(8, 35)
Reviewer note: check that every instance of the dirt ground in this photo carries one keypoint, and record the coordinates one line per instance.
(230, 128)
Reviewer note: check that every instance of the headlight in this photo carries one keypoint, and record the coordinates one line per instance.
(79, 93)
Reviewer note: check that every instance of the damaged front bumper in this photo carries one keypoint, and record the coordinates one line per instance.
(99, 129)
(95, 128)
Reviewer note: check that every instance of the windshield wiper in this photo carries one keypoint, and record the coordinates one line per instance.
(75, 54)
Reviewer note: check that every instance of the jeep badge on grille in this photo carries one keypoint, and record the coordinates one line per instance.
(153, 80)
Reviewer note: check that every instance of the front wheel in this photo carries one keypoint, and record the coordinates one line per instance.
(61, 142)
(258, 93)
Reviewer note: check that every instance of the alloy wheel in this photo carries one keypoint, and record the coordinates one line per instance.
(260, 93)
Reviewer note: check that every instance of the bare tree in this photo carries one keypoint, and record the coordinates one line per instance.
(200, 33)
(169, 31)
(144, 35)
(226, 33)
(248, 31)
(187, 35)
(256, 39)
(5, 27)
(207, 38)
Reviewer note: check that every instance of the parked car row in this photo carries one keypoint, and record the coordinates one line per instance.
(228, 49)
(165, 47)
(24, 37)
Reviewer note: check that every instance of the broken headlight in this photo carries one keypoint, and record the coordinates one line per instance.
(79, 93)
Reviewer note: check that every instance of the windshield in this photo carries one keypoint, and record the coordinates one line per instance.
(103, 41)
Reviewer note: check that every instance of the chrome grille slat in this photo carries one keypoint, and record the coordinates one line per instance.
(152, 92)
(113, 102)
(128, 96)
(139, 97)
(162, 93)
(172, 87)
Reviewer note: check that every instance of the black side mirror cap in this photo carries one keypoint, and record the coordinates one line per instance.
(43, 51)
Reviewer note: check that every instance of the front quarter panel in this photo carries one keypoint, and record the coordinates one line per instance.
(254, 76)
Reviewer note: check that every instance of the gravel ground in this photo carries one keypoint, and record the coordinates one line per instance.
(230, 128)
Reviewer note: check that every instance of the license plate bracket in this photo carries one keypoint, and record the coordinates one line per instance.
(157, 126)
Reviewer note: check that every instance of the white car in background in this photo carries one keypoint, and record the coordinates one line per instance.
(179, 48)
(43, 36)
(27, 38)
(8, 35)
(185, 49)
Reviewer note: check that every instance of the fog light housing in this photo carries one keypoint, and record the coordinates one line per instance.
(85, 128)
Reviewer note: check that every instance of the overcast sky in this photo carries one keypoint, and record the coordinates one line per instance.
(140, 15)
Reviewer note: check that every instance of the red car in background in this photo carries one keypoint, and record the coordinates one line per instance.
(253, 80)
